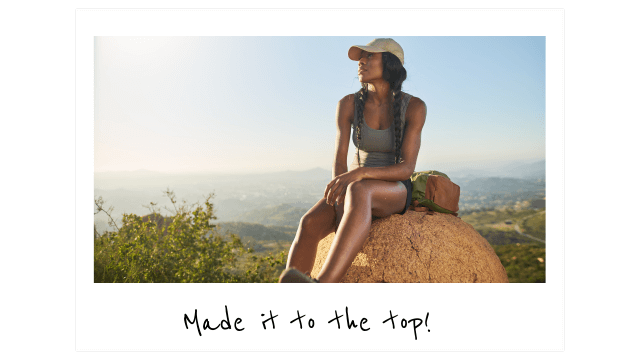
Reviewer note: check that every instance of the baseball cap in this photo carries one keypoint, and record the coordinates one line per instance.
(378, 45)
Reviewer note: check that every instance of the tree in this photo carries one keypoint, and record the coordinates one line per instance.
(184, 247)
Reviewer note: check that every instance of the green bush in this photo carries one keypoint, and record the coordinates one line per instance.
(185, 247)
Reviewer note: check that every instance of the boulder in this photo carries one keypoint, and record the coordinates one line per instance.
(417, 247)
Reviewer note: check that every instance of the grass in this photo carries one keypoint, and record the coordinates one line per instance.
(535, 225)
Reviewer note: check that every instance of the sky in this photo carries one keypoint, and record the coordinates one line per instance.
(266, 104)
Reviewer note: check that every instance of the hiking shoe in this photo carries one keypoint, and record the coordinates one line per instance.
(291, 275)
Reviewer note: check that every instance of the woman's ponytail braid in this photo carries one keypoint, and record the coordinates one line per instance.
(397, 101)
(395, 74)
(361, 98)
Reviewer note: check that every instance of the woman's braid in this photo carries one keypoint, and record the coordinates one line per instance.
(395, 74)
(397, 100)
(361, 98)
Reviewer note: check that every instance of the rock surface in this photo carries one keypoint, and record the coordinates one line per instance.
(417, 247)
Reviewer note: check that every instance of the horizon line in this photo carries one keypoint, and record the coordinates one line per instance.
(275, 170)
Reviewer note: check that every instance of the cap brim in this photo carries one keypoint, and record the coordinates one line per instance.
(356, 50)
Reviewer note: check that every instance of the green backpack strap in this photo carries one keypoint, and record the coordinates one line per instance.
(429, 172)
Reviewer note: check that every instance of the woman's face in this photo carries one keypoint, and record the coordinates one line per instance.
(369, 66)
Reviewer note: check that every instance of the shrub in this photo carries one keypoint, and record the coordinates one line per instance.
(185, 247)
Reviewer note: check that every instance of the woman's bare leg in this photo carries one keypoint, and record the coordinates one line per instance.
(363, 199)
(314, 226)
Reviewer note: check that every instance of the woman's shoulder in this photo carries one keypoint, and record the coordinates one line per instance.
(346, 107)
(348, 101)
(349, 98)
(414, 102)
(416, 108)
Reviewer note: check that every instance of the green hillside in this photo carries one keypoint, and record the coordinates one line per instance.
(524, 263)
(280, 215)
(494, 216)
(258, 231)
(523, 258)
(535, 225)
(263, 239)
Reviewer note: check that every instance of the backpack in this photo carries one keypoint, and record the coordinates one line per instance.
(434, 191)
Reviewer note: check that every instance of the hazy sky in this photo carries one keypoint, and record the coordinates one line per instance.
(238, 104)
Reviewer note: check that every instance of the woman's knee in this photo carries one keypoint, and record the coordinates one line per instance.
(308, 220)
(358, 189)
(316, 222)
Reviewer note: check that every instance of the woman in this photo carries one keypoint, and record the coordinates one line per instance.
(387, 126)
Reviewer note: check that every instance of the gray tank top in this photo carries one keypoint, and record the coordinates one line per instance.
(377, 147)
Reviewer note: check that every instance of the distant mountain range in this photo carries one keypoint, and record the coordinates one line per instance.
(519, 169)
(499, 185)
(145, 179)
(281, 198)
(522, 169)
(142, 173)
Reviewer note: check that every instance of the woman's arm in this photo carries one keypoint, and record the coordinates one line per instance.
(344, 116)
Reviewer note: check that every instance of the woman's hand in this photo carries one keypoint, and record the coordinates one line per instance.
(336, 190)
